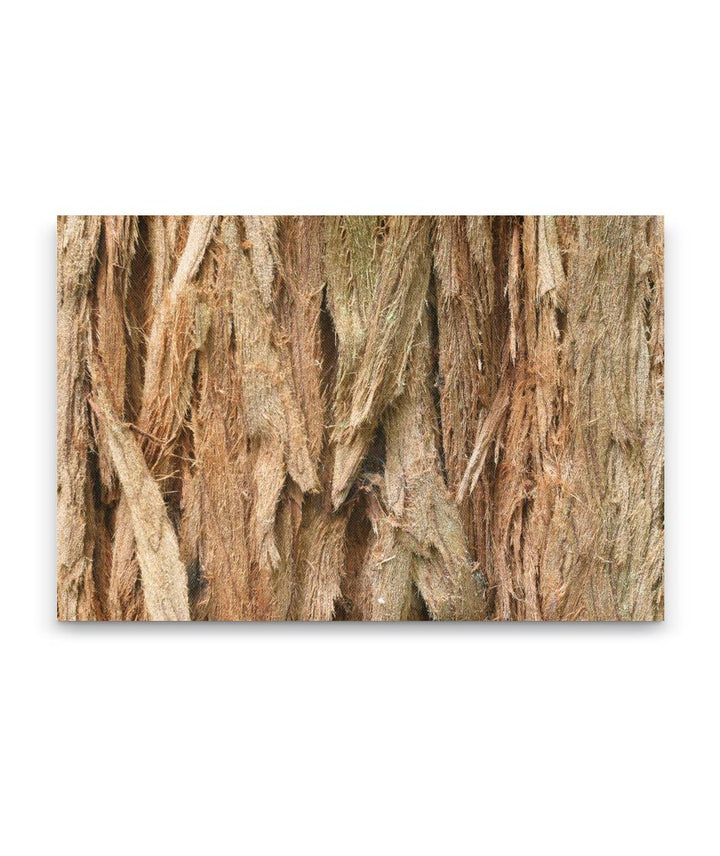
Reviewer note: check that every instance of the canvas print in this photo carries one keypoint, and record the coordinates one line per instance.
(360, 418)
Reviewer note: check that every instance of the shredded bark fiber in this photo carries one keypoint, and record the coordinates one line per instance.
(360, 418)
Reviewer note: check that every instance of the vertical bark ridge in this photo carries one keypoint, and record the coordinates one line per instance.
(178, 328)
(77, 243)
(420, 543)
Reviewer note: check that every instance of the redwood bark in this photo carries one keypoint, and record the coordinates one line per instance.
(372, 418)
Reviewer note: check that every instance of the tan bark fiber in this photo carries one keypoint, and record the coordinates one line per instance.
(360, 418)
(77, 257)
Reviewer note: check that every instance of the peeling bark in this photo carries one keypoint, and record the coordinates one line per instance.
(360, 418)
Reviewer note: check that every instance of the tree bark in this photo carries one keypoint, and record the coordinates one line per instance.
(364, 418)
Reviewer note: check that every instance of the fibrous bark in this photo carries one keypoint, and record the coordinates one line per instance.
(379, 418)
(77, 252)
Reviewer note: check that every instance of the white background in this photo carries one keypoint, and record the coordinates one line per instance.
(358, 739)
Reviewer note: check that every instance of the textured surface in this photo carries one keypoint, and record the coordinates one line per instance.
(361, 418)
